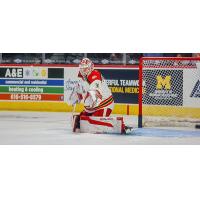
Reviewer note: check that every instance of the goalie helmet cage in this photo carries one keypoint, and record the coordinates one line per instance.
(169, 87)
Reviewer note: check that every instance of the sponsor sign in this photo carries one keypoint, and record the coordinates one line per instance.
(163, 87)
(32, 97)
(196, 91)
(11, 72)
(123, 83)
(191, 88)
(71, 79)
(31, 82)
(56, 73)
(35, 72)
(23, 89)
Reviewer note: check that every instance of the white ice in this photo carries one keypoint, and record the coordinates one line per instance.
(53, 128)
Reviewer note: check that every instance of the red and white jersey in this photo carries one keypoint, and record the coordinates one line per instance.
(96, 83)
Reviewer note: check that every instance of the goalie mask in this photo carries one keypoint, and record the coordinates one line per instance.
(86, 66)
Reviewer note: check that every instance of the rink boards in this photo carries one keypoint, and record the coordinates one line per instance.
(118, 109)
(47, 87)
(60, 107)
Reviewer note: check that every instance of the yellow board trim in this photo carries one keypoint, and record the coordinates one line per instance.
(169, 111)
(118, 109)
(58, 107)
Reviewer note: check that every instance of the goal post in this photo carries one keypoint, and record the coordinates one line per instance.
(169, 91)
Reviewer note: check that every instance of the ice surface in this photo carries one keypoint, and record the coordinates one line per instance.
(51, 128)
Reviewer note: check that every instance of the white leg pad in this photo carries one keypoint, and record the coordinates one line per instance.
(90, 124)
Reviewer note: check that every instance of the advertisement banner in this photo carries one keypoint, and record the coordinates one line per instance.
(35, 72)
(192, 87)
(71, 79)
(23, 89)
(196, 90)
(174, 87)
(123, 83)
(11, 72)
(31, 83)
(32, 97)
(56, 73)
(163, 87)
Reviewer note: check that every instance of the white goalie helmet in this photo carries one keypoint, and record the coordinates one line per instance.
(86, 66)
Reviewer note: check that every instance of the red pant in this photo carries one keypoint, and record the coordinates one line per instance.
(98, 113)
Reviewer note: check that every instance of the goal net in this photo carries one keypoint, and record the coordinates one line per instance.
(169, 92)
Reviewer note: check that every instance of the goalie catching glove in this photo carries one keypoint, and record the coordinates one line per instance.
(91, 100)
(76, 95)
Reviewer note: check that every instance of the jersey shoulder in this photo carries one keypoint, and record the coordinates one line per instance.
(94, 75)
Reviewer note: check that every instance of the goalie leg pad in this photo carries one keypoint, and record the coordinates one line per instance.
(76, 121)
(90, 124)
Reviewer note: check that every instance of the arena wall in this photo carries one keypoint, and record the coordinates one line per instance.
(47, 88)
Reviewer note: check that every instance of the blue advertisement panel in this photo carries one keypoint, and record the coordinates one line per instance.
(31, 82)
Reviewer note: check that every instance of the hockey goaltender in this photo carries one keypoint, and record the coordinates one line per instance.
(97, 98)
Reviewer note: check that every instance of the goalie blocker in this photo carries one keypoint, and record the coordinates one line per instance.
(98, 125)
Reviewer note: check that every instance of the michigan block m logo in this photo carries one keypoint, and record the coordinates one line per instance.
(163, 82)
